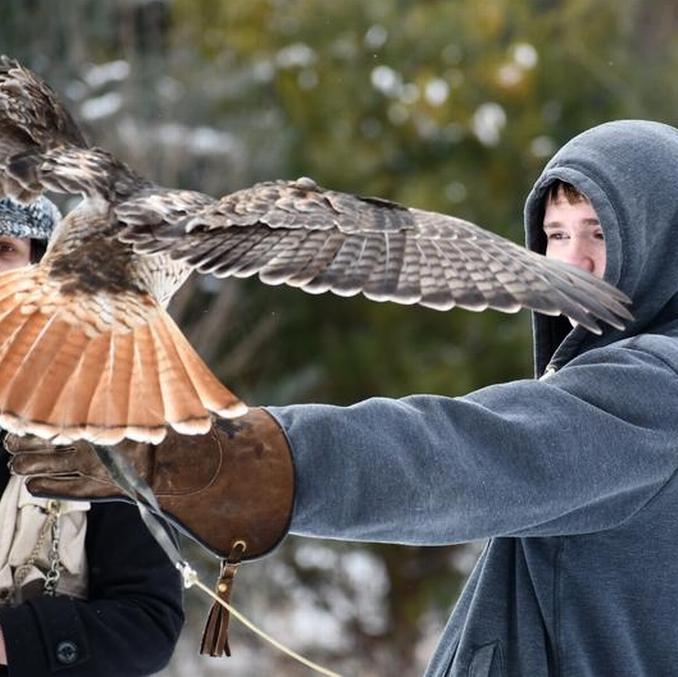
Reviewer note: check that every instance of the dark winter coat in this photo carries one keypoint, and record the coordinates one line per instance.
(128, 626)
(573, 478)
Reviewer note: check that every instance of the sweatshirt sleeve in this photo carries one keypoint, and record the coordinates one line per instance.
(579, 452)
(129, 625)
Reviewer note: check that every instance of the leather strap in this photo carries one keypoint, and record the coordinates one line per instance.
(215, 635)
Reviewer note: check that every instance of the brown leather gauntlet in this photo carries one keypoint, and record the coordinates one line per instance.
(231, 489)
(237, 489)
(233, 485)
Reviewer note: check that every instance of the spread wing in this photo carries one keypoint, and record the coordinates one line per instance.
(300, 234)
(294, 233)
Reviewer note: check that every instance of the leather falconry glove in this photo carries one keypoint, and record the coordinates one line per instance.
(233, 484)
(231, 489)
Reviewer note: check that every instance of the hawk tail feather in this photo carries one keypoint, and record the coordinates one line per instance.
(63, 377)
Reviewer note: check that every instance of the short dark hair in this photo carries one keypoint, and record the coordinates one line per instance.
(571, 194)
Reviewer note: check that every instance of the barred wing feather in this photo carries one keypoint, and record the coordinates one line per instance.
(300, 234)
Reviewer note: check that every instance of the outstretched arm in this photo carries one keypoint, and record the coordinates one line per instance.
(579, 452)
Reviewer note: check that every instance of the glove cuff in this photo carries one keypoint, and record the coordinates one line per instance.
(250, 496)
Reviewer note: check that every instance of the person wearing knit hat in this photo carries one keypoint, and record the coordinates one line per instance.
(72, 595)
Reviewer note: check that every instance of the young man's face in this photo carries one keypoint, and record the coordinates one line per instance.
(14, 252)
(574, 235)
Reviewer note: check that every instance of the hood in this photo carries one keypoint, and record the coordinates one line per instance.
(629, 171)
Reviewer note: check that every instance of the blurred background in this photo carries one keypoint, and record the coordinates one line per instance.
(444, 105)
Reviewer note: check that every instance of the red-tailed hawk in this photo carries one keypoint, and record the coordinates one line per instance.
(87, 349)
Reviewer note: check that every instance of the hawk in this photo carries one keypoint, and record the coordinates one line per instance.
(87, 349)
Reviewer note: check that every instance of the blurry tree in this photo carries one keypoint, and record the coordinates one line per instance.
(442, 104)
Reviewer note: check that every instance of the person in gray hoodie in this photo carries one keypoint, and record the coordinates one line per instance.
(570, 476)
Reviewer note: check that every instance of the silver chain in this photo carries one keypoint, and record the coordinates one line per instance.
(54, 573)
(51, 526)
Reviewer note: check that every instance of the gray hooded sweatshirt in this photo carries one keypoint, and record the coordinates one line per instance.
(571, 477)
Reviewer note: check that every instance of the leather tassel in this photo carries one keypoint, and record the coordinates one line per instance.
(215, 635)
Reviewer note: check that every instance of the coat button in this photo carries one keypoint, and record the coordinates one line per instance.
(67, 652)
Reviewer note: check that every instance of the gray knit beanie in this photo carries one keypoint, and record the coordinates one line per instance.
(35, 220)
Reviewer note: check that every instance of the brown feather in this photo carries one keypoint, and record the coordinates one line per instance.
(99, 367)
(213, 394)
(42, 353)
(145, 414)
(182, 406)
(47, 391)
(70, 414)
(19, 348)
(107, 413)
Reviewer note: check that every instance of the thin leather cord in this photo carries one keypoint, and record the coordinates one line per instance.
(128, 479)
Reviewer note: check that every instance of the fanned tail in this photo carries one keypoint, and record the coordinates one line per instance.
(66, 373)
